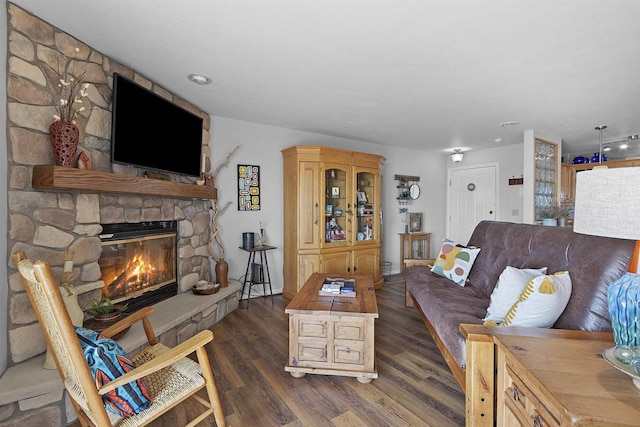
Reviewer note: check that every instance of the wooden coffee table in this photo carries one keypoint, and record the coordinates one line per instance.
(333, 335)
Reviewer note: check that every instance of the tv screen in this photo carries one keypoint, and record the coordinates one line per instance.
(151, 132)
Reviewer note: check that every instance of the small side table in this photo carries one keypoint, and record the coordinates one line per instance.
(250, 279)
(414, 246)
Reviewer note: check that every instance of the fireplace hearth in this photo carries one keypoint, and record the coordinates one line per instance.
(139, 263)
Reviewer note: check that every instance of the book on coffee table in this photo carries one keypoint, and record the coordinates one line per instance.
(338, 287)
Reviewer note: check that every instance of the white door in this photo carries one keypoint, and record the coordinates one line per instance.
(472, 198)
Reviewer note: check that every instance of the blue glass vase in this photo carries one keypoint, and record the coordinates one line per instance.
(623, 298)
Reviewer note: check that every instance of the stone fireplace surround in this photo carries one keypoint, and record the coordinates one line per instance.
(46, 223)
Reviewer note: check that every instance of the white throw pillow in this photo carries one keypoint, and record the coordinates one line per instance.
(510, 285)
(541, 302)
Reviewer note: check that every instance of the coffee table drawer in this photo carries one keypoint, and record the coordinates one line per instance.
(312, 350)
(312, 328)
(351, 352)
(349, 330)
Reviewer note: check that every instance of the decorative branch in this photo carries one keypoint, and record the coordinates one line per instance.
(215, 230)
(224, 164)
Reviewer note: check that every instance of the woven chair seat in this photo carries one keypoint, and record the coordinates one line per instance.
(166, 386)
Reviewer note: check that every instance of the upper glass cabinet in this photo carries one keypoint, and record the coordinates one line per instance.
(366, 226)
(336, 206)
(546, 175)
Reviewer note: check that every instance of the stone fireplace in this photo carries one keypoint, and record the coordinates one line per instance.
(52, 210)
(138, 263)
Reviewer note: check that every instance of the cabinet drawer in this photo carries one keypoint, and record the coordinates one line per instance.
(524, 404)
(349, 330)
(312, 350)
(350, 352)
(312, 328)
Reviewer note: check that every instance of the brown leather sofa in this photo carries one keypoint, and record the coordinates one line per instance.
(593, 263)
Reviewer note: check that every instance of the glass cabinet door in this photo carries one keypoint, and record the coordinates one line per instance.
(367, 227)
(546, 176)
(336, 207)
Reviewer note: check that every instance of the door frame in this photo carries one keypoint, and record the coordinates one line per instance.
(495, 165)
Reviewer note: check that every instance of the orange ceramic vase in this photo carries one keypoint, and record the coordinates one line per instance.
(222, 273)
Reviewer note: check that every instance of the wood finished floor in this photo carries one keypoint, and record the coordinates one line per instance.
(249, 351)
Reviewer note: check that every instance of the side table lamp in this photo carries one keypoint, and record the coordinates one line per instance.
(608, 204)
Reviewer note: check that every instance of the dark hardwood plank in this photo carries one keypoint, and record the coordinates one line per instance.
(249, 352)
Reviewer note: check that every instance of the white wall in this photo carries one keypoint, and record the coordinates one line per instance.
(4, 287)
(510, 160)
(261, 145)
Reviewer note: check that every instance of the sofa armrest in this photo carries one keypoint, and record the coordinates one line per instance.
(480, 364)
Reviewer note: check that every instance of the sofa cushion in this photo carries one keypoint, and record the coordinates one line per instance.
(454, 261)
(509, 287)
(541, 302)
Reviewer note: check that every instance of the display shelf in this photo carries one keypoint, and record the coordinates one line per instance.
(58, 178)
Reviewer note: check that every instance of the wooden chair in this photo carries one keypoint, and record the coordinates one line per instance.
(171, 376)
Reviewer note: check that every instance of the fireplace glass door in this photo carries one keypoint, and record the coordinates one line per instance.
(138, 262)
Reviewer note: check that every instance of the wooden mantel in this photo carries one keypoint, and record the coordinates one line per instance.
(58, 178)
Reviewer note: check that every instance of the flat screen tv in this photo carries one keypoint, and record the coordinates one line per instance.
(151, 132)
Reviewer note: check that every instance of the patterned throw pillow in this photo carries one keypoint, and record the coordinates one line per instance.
(510, 285)
(455, 261)
(107, 361)
(541, 302)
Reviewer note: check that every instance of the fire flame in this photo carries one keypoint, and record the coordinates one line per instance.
(137, 272)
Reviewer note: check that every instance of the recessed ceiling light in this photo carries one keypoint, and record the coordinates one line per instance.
(624, 146)
(509, 124)
(497, 140)
(199, 79)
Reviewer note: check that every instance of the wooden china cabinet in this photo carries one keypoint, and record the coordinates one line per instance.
(332, 214)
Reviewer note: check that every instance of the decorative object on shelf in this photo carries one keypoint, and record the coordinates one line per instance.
(68, 102)
(222, 272)
(205, 288)
(261, 238)
(248, 188)
(551, 213)
(457, 155)
(84, 161)
(64, 138)
(247, 240)
(607, 204)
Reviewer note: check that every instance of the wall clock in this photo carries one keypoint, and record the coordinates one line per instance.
(414, 191)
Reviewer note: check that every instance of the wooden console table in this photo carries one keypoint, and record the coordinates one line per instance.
(480, 373)
(414, 246)
(333, 335)
(561, 382)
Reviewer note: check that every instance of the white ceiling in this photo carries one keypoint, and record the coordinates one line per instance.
(426, 74)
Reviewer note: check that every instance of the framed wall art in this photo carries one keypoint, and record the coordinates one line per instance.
(248, 188)
(415, 222)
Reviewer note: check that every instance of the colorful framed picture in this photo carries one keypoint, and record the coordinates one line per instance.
(248, 188)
